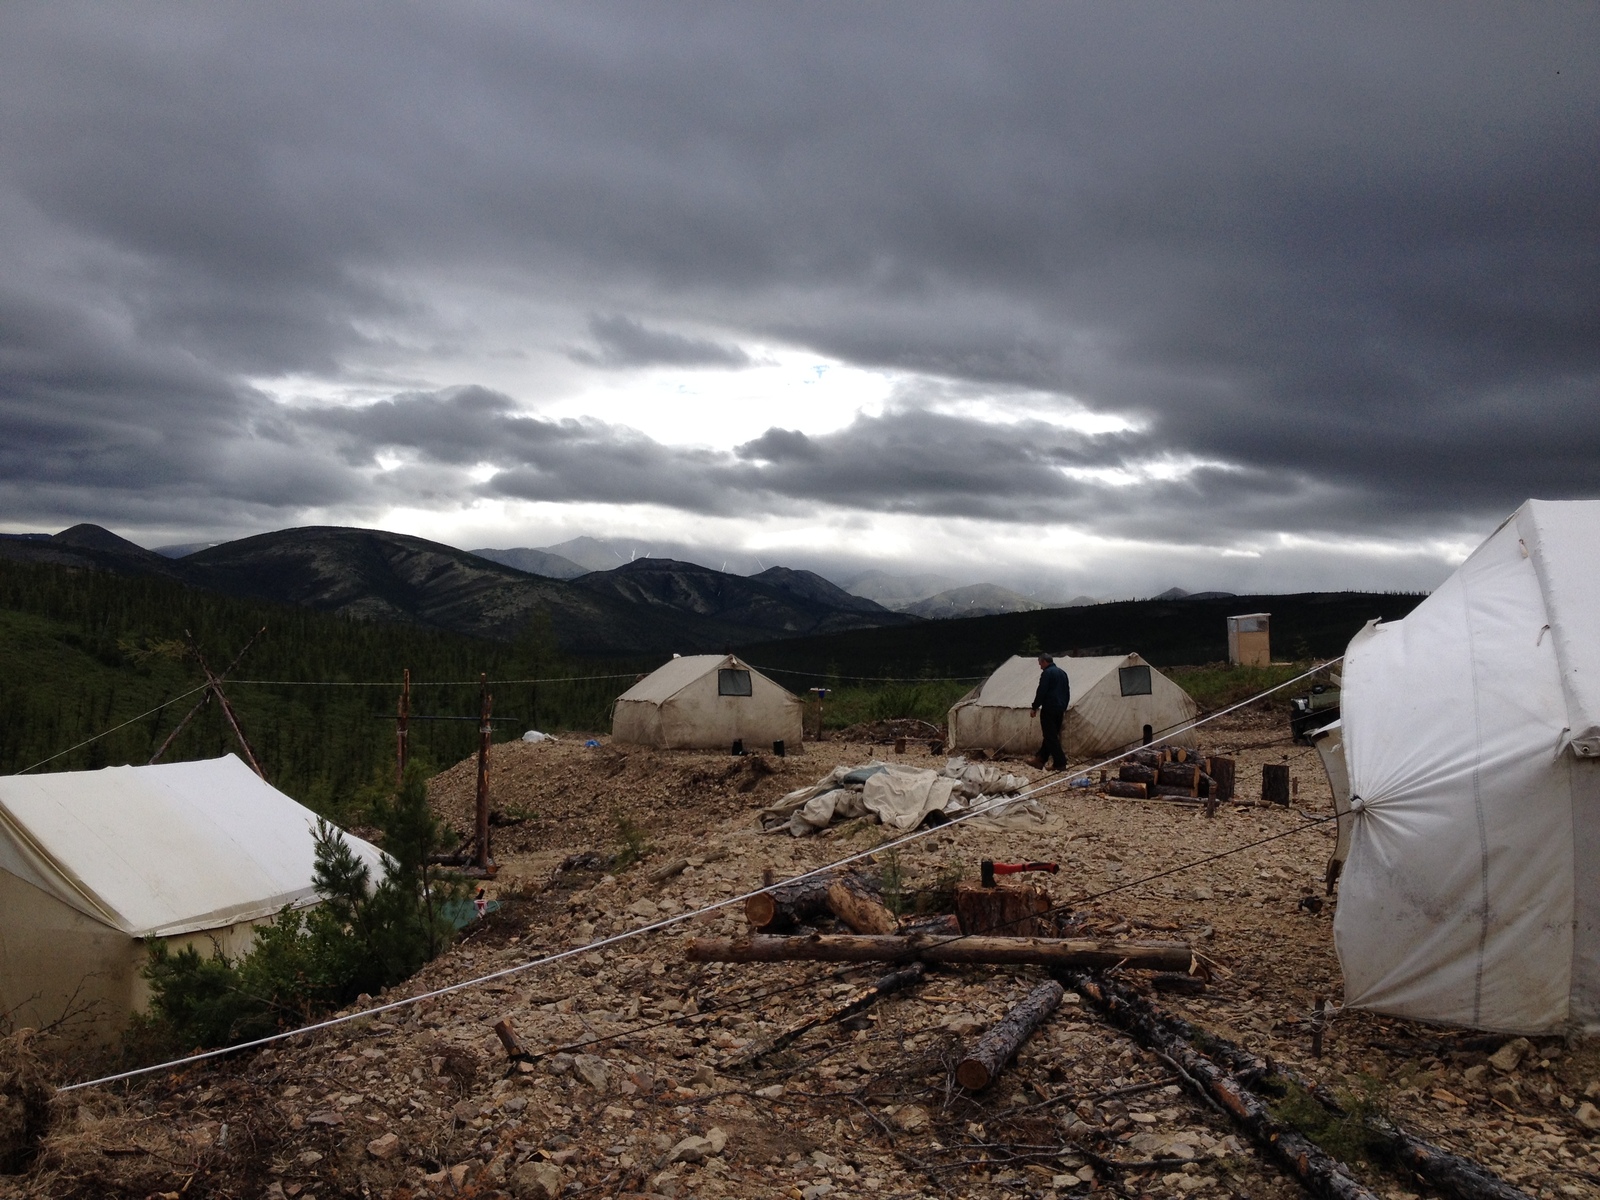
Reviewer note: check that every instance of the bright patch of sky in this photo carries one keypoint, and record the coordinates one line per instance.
(722, 409)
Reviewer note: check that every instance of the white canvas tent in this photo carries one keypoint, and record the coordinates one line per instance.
(1113, 698)
(1471, 729)
(707, 701)
(95, 864)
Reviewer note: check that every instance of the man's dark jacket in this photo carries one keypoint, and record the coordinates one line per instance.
(1055, 691)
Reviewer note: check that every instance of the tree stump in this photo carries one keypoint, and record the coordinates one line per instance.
(995, 1049)
(1275, 784)
(1005, 911)
(1221, 771)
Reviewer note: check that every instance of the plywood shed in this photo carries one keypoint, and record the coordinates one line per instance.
(95, 865)
(1471, 731)
(1250, 640)
(1113, 698)
(708, 701)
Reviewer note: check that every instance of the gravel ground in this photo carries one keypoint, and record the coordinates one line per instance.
(645, 1093)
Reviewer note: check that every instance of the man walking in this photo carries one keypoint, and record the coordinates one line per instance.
(1050, 705)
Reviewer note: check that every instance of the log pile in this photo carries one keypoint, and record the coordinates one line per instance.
(1173, 773)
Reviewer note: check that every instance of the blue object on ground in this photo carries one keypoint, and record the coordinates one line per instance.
(461, 913)
(591, 744)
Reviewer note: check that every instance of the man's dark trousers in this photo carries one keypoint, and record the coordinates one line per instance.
(1050, 720)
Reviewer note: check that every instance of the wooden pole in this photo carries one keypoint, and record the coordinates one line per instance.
(485, 706)
(402, 748)
(995, 1049)
(1087, 953)
(205, 699)
(215, 684)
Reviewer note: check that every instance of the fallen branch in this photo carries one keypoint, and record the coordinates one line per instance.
(1448, 1172)
(989, 1055)
(1085, 953)
(883, 986)
(1320, 1173)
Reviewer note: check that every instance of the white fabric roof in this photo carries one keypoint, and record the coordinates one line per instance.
(1016, 680)
(667, 680)
(1563, 540)
(162, 850)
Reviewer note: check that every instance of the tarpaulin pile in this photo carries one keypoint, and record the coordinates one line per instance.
(904, 797)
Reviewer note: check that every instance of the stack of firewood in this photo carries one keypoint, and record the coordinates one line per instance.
(1172, 772)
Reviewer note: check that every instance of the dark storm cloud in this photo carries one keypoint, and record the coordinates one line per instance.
(1349, 255)
(624, 342)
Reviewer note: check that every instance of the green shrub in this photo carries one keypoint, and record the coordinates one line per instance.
(365, 935)
(632, 842)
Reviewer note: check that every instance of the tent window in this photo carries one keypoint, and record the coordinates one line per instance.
(1135, 680)
(731, 682)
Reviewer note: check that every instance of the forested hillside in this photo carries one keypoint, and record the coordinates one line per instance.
(84, 650)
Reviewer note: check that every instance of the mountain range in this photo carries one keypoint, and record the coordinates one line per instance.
(649, 606)
(926, 595)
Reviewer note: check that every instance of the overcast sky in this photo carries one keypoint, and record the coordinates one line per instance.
(1077, 297)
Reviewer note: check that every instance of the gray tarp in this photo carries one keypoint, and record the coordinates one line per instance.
(902, 798)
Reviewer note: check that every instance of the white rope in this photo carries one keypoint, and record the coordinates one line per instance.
(666, 923)
(114, 728)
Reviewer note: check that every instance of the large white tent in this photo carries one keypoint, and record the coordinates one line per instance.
(1114, 697)
(708, 701)
(1471, 730)
(96, 864)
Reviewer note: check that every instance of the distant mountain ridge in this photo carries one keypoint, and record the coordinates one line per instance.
(790, 602)
(976, 600)
(650, 606)
(535, 562)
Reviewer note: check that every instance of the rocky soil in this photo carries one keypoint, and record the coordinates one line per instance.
(644, 1084)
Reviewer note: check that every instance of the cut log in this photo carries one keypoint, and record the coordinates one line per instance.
(946, 923)
(884, 985)
(667, 870)
(1173, 793)
(789, 904)
(856, 904)
(1128, 791)
(1449, 1173)
(1319, 1173)
(1275, 784)
(1221, 770)
(989, 1055)
(1136, 773)
(1179, 775)
(1086, 953)
(1147, 758)
(1017, 911)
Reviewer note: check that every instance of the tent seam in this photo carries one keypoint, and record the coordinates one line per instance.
(1477, 803)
